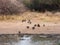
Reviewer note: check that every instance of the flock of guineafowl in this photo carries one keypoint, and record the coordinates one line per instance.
(29, 22)
(35, 25)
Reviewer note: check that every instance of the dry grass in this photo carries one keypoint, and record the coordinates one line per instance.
(45, 17)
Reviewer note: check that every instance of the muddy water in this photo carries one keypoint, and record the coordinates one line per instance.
(31, 40)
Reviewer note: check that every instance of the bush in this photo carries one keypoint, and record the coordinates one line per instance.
(18, 6)
(42, 5)
(10, 7)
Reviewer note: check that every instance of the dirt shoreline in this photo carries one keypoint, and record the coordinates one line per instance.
(15, 27)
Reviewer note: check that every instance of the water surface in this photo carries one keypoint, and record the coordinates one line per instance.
(31, 40)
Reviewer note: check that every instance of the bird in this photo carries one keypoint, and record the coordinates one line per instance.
(33, 28)
(23, 20)
(38, 25)
(29, 22)
(19, 32)
(35, 25)
(27, 27)
(43, 25)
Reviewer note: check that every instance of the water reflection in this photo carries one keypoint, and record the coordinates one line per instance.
(30, 40)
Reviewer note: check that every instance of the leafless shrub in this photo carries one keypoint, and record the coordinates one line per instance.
(11, 7)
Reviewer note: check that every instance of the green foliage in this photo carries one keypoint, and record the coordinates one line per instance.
(42, 4)
(42, 1)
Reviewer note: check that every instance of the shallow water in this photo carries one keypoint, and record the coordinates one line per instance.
(32, 40)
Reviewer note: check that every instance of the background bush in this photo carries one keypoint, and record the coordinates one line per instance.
(42, 5)
(11, 7)
(18, 6)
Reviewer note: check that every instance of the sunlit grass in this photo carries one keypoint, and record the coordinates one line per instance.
(32, 16)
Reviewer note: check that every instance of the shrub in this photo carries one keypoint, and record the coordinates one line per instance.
(10, 7)
(42, 5)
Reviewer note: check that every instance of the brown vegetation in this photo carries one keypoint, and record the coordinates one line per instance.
(19, 6)
(11, 7)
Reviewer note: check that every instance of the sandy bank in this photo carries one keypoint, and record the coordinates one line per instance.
(14, 27)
